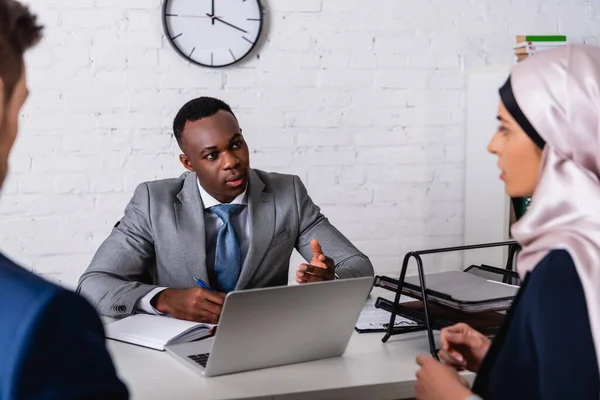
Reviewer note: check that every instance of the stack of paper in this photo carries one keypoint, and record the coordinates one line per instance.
(530, 45)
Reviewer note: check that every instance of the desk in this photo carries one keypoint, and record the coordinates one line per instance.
(369, 369)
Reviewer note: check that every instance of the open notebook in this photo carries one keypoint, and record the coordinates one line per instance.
(156, 332)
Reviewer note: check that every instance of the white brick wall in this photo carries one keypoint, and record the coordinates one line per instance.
(363, 99)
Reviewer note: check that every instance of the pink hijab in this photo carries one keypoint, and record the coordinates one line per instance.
(559, 93)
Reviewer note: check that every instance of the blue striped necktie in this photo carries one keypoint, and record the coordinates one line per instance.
(228, 257)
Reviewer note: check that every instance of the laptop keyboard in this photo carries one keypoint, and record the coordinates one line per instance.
(201, 359)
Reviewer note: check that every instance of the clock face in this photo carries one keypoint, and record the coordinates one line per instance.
(213, 33)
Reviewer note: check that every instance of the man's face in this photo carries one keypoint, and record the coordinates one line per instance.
(216, 150)
(9, 123)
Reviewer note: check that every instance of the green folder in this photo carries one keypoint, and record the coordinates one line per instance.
(542, 38)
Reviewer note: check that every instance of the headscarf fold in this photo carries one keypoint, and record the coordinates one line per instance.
(558, 92)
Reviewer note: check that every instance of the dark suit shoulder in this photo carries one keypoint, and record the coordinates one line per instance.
(22, 296)
(18, 283)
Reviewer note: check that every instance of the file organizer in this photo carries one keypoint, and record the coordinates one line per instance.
(423, 317)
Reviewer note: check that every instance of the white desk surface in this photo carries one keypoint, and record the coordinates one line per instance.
(369, 369)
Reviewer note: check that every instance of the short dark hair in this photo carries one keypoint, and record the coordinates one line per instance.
(19, 31)
(195, 110)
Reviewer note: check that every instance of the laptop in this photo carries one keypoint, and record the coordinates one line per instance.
(262, 328)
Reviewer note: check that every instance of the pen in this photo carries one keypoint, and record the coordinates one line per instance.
(202, 284)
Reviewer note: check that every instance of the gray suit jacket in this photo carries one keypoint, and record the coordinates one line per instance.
(161, 241)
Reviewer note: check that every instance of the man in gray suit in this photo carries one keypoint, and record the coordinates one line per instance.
(184, 243)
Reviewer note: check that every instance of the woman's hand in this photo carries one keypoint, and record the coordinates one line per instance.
(436, 381)
(463, 347)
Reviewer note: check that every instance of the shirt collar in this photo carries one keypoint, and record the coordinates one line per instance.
(210, 201)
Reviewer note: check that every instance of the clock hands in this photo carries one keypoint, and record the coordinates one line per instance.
(225, 22)
(213, 12)
(190, 16)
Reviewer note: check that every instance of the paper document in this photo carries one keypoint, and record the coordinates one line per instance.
(374, 319)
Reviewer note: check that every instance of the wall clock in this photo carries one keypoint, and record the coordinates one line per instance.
(213, 33)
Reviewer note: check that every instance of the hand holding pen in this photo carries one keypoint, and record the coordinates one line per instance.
(199, 304)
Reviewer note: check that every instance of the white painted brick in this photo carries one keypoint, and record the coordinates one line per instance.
(401, 193)
(270, 158)
(446, 191)
(323, 177)
(66, 163)
(429, 60)
(451, 175)
(331, 156)
(39, 144)
(38, 183)
(40, 57)
(143, 21)
(195, 78)
(447, 80)
(46, 205)
(340, 195)
(331, 137)
(380, 137)
(365, 102)
(302, 41)
(352, 176)
(241, 78)
(300, 6)
(402, 79)
(105, 182)
(146, 58)
(401, 173)
(287, 78)
(335, 60)
(381, 119)
(30, 227)
(401, 155)
(401, 43)
(277, 59)
(436, 98)
(10, 185)
(366, 61)
(129, 4)
(158, 143)
(91, 141)
(19, 164)
(71, 183)
(89, 19)
(388, 98)
(345, 41)
(394, 62)
(345, 79)
(61, 4)
(314, 119)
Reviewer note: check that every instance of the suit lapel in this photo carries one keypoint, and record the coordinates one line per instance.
(191, 233)
(261, 217)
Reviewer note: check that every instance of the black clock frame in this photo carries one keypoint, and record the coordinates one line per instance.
(172, 42)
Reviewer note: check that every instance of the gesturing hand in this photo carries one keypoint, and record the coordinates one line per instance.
(321, 267)
(194, 304)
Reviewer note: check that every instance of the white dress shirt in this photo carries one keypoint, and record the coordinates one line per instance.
(212, 224)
